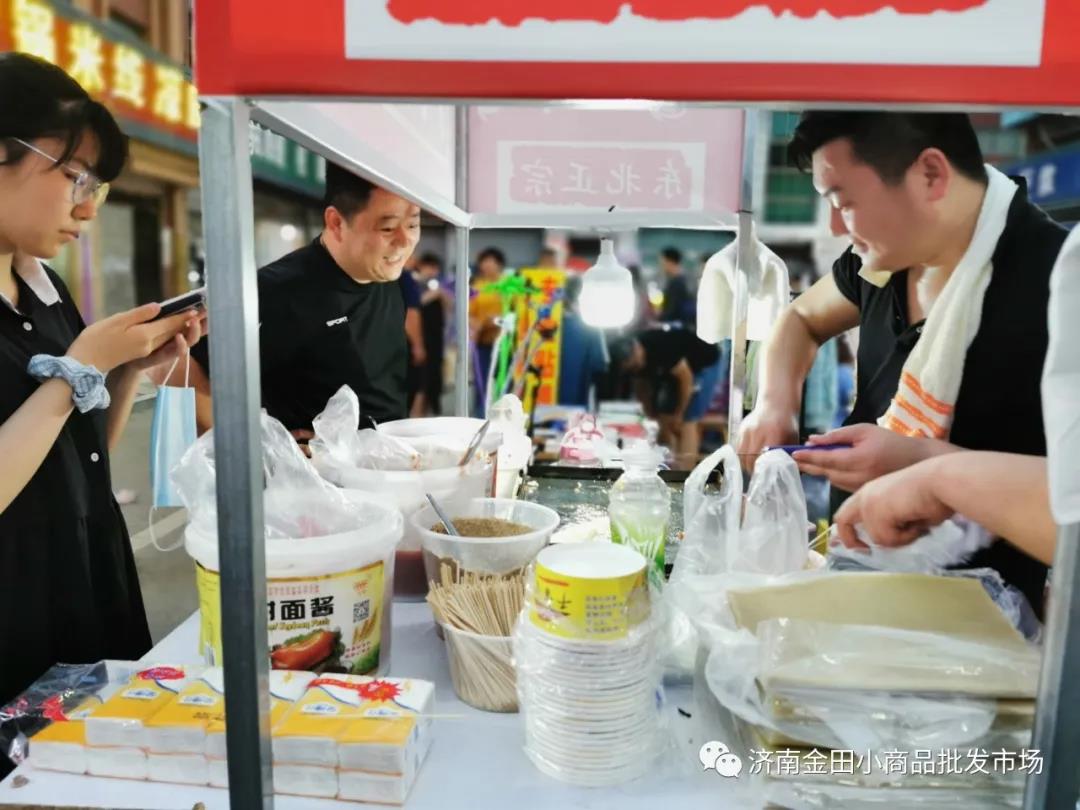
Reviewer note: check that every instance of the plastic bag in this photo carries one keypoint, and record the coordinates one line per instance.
(773, 539)
(947, 545)
(338, 441)
(297, 503)
(767, 542)
(52, 697)
(852, 685)
(763, 679)
(710, 522)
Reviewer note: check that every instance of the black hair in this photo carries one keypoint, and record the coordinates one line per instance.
(492, 253)
(672, 254)
(889, 142)
(39, 100)
(430, 258)
(347, 192)
(549, 251)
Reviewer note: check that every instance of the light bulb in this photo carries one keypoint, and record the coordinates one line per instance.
(607, 291)
(289, 232)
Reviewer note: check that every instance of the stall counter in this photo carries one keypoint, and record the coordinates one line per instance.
(476, 758)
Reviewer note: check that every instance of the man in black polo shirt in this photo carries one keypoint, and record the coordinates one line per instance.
(332, 313)
(908, 189)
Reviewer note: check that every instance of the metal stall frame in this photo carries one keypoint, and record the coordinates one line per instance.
(228, 207)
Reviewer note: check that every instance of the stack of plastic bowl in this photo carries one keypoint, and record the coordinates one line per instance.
(588, 666)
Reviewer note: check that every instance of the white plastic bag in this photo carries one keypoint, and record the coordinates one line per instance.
(949, 544)
(773, 539)
(297, 502)
(710, 522)
(770, 540)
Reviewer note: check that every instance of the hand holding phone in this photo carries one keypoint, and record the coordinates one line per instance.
(196, 299)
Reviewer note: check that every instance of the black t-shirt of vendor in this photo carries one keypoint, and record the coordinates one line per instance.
(320, 330)
(999, 406)
(666, 347)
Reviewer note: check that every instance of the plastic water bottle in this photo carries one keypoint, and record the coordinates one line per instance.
(639, 508)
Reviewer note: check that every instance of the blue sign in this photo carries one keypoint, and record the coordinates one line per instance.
(1053, 179)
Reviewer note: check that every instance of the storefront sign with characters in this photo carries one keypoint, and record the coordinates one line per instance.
(127, 75)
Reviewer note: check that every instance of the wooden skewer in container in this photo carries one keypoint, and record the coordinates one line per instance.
(477, 614)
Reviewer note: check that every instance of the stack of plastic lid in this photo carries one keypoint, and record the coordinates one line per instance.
(589, 670)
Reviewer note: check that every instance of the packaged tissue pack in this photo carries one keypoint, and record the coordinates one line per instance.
(61, 746)
(180, 727)
(378, 725)
(121, 720)
(286, 688)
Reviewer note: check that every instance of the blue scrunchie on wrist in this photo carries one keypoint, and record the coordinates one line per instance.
(87, 383)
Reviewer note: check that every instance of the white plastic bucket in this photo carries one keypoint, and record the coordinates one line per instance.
(514, 451)
(329, 594)
(406, 492)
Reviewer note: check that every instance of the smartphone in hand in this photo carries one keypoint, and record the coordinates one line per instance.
(196, 299)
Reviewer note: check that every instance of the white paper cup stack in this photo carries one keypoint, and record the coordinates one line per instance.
(589, 685)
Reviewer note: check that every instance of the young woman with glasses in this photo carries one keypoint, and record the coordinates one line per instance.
(68, 586)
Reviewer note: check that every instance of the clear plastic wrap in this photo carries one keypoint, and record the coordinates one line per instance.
(840, 683)
(947, 545)
(593, 708)
(751, 549)
(62, 689)
(773, 539)
(340, 446)
(710, 521)
(297, 503)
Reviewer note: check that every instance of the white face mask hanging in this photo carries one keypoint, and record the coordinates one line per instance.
(172, 433)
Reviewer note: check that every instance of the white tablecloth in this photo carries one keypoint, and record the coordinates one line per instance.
(476, 760)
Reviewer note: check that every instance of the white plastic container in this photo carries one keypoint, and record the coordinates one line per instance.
(337, 584)
(485, 555)
(514, 450)
(405, 491)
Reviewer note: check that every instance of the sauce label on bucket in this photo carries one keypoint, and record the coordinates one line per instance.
(329, 623)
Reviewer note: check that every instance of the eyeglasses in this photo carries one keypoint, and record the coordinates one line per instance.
(85, 187)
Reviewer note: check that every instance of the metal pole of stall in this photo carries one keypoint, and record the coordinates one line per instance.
(744, 259)
(1057, 718)
(461, 277)
(234, 364)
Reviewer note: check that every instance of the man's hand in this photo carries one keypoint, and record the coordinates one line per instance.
(766, 427)
(874, 452)
(894, 510)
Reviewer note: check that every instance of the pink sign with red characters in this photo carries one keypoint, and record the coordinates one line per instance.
(542, 161)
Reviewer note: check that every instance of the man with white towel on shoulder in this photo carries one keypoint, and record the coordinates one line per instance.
(948, 279)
